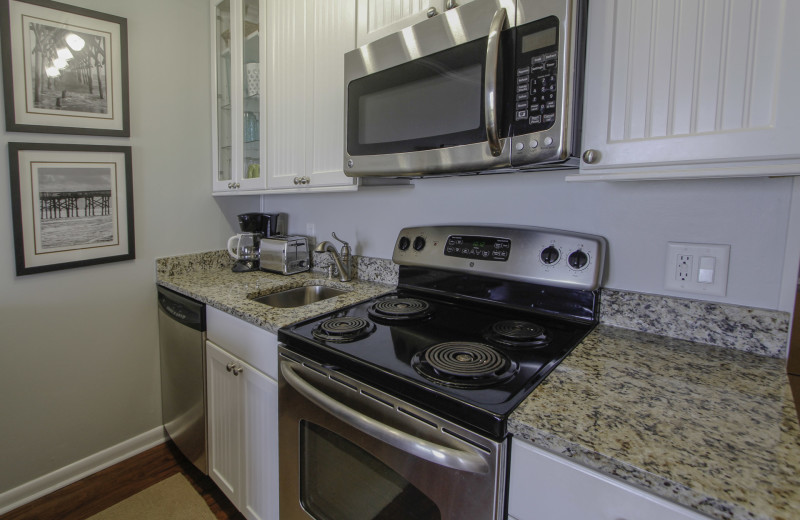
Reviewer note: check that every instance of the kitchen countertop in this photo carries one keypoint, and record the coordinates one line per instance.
(712, 428)
(216, 285)
(709, 427)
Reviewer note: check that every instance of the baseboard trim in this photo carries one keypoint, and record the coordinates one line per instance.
(59, 478)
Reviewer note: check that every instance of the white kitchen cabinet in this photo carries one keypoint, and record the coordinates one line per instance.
(305, 92)
(237, 65)
(690, 89)
(379, 18)
(545, 485)
(243, 414)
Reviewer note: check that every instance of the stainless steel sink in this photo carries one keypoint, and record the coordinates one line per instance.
(299, 296)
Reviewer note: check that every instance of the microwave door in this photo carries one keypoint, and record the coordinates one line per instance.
(439, 113)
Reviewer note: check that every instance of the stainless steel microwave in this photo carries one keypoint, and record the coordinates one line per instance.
(487, 86)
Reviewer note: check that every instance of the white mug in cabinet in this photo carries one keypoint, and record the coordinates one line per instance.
(252, 79)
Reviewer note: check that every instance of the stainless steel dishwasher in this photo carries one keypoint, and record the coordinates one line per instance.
(182, 337)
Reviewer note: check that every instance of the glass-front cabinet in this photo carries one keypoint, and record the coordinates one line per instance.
(238, 74)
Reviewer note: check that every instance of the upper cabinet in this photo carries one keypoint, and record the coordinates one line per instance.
(691, 89)
(379, 18)
(237, 66)
(305, 92)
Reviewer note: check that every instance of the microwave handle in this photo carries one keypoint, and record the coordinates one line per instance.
(490, 81)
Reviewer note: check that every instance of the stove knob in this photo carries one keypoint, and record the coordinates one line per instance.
(403, 244)
(578, 259)
(549, 255)
(419, 243)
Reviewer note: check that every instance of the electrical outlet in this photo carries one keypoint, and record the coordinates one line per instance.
(697, 268)
(684, 270)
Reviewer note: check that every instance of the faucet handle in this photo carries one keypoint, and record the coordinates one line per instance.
(344, 244)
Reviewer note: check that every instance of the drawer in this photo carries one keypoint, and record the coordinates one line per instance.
(251, 344)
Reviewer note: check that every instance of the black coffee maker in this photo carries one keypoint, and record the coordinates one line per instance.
(268, 224)
(263, 224)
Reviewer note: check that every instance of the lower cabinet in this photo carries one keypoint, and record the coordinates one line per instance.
(545, 485)
(243, 414)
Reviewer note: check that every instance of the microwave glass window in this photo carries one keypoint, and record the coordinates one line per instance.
(540, 40)
(341, 481)
(432, 102)
(440, 104)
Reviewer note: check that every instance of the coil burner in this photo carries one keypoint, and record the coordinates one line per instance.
(464, 365)
(400, 309)
(519, 334)
(343, 329)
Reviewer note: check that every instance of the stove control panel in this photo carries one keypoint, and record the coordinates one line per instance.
(492, 249)
(529, 254)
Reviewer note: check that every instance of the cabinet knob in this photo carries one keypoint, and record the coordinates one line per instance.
(432, 12)
(229, 367)
(591, 156)
(237, 370)
(230, 185)
(450, 4)
(297, 180)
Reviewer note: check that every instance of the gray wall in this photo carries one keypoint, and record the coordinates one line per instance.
(637, 218)
(79, 348)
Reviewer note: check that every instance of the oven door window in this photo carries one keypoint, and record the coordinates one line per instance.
(340, 481)
(432, 102)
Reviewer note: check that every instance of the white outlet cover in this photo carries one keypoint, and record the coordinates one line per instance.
(721, 254)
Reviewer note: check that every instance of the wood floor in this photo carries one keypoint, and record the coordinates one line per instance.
(116, 483)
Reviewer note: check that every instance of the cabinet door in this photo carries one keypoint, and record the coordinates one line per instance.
(222, 112)
(224, 418)
(332, 23)
(305, 128)
(544, 485)
(237, 115)
(678, 85)
(253, 103)
(288, 92)
(379, 18)
(260, 442)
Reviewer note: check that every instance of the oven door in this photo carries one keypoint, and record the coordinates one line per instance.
(429, 98)
(352, 452)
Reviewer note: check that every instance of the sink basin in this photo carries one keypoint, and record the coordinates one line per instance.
(299, 296)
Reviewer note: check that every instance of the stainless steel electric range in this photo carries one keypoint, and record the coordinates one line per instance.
(397, 407)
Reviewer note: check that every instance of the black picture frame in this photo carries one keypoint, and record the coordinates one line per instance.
(86, 93)
(72, 205)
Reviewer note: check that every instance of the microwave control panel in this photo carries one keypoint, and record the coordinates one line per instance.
(536, 79)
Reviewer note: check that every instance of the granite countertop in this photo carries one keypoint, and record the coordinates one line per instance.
(712, 428)
(209, 279)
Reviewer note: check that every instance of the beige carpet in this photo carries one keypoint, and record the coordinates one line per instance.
(173, 498)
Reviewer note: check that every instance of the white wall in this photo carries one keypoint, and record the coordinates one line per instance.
(637, 218)
(79, 369)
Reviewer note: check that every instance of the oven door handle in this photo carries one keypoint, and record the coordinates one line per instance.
(469, 461)
(490, 81)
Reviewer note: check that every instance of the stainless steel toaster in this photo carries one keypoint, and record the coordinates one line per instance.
(284, 254)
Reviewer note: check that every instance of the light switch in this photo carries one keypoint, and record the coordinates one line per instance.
(705, 273)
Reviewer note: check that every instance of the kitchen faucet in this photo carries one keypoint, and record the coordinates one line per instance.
(342, 260)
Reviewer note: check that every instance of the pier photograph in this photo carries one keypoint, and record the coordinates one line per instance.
(72, 205)
(76, 208)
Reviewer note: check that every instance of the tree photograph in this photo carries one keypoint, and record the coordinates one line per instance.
(68, 69)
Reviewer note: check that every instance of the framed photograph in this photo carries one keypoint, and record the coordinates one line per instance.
(72, 205)
(65, 69)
